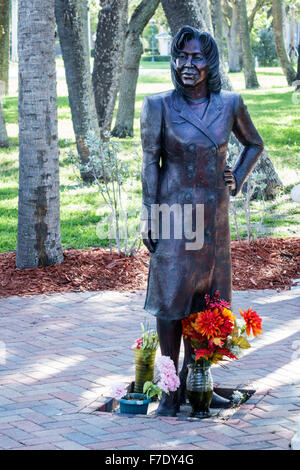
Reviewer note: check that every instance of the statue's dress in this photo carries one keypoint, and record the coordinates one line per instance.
(183, 164)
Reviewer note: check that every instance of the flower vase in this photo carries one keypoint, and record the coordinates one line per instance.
(134, 403)
(199, 387)
(144, 367)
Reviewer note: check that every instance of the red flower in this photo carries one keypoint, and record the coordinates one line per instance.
(202, 353)
(253, 322)
(227, 353)
(139, 343)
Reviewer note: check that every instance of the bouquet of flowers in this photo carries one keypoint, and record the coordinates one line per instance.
(165, 381)
(149, 339)
(216, 335)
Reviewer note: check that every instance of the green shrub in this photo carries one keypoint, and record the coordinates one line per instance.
(264, 48)
(157, 58)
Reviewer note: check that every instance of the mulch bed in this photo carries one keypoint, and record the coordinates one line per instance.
(268, 263)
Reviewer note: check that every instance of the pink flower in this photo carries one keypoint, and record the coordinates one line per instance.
(137, 344)
(118, 390)
(169, 380)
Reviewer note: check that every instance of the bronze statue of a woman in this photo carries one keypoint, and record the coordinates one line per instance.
(185, 133)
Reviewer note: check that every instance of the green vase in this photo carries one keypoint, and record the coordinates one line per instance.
(199, 387)
(144, 367)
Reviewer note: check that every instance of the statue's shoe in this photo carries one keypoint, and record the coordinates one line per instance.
(219, 402)
(169, 405)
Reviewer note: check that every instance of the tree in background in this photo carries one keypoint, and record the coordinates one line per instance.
(232, 22)
(248, 58)
(39, 239)
(264, 48)
(71, 19)
(287, 67)
(132, 56)
(190, 14)
(4, 42)
(109, 52)
(3, 133)
(217, 21)
(298, 71)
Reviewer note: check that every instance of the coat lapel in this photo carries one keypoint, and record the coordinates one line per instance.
(212, 112)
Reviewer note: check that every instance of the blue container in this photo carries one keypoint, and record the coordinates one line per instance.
(137, 404)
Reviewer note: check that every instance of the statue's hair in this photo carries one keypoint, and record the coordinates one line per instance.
(210, 50)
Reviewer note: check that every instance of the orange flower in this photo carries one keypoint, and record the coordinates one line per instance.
(211, 324)
(253, 321)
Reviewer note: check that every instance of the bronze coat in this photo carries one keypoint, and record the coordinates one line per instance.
(184, 158)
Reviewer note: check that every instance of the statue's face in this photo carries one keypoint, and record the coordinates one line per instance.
(191, 64)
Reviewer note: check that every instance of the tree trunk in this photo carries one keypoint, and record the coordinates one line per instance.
(298, 70)
(71, 19)
(3, 133)
(258, 5)
(217, 21)
(288, 69)
(109, 52)
(14, 30)
(4, 43)
(132, 56)
(39, 239)
(171, 7)
(248, 58)
(233, 35)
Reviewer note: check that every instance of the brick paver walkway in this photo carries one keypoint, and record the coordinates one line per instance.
(60, 353)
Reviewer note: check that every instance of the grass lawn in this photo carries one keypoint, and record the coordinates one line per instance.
(272, 110)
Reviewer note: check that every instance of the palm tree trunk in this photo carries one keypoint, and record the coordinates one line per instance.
(132, 56)
(248, 58)
(4, 42)
(217, 21)
(284, 60)
(189, 14)
(3, 133)
(71, 19)
(39, 239)
(109, 52)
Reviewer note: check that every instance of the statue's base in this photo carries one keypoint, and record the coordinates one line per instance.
(222, 406)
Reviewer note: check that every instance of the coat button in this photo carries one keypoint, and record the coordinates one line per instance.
(214, 150)
(207, 232)
(190, 167)
(192, 148)
(188, 197)
(211, 197)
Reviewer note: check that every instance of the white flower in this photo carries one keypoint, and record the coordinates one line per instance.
(237, 397)
(118, 390)
(237, 351)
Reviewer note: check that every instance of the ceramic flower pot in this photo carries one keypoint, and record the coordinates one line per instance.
(199, 387)
(144, 367)
(134, 403)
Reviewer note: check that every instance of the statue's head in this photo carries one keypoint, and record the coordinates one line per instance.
(194, 59)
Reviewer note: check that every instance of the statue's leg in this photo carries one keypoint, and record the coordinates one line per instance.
(188, 352)
(169, 334)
